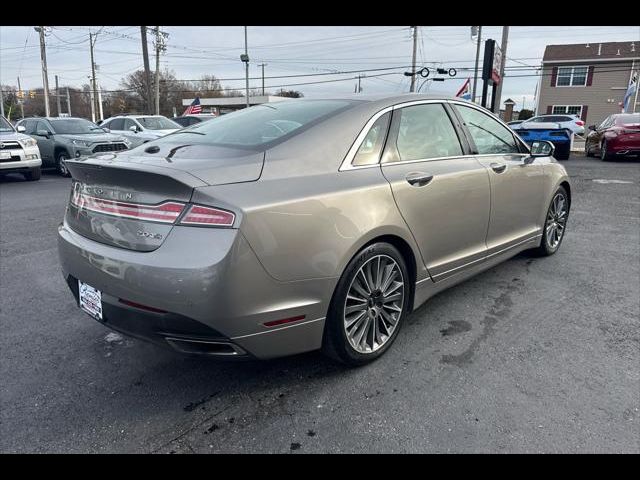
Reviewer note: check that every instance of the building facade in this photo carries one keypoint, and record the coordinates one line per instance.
(588, 79)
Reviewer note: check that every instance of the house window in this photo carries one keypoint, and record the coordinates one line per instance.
(572, 76)
(567, 110)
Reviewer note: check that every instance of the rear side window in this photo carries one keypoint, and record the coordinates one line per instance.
(371, 146)
(425, 131)
(489, 135)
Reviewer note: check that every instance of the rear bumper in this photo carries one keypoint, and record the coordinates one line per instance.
(210, 288)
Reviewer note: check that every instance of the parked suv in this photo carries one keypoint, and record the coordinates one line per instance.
(572, 122)
(140, 129)
(19, 153)
(60, 139)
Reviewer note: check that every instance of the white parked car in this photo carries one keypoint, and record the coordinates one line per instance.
(19, 153)
(140, 129)
(572, 122)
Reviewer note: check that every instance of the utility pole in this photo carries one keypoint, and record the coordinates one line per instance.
(262, 65)
(475, 69)
(101, 113)
(503, 48)
(147, 72)
(21, 100)
(94, 108)
(68, 103)
(93, 102)
(412, 88)
(45, 75)
(1, 102)
(246, 65)
(58, 96)
(157, 83)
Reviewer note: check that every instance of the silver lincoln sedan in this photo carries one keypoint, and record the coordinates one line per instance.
(304, 224)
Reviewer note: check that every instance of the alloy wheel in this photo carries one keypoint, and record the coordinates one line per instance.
(374, 304)
(556, 220)
(62, 166)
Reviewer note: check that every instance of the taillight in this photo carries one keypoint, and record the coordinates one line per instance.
(166, 212)
(207, 216)
(580, 123)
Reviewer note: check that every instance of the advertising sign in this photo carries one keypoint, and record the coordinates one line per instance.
(497, 64)
(492, 62)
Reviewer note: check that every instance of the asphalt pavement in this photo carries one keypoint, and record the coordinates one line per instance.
(534, 355)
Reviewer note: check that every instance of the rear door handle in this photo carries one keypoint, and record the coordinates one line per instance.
(419, 179)
(498, 167)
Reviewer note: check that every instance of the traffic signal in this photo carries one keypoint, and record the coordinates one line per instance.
(20, 94)
(32, 94)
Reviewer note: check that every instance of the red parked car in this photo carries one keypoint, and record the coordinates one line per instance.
(617, 137)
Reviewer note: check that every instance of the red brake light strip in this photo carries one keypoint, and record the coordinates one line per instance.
(166, 212)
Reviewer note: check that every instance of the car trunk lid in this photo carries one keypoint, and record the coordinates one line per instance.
(133, 200)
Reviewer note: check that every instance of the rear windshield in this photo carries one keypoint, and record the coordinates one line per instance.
(260, 125)
(158, 123)
(76, 126)
(624, 119)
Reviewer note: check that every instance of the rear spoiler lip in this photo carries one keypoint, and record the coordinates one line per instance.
(81, 169)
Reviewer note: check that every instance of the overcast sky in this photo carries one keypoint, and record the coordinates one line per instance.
(195, 51)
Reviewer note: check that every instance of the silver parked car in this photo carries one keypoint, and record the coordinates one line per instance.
(303, 225)
(139, 129)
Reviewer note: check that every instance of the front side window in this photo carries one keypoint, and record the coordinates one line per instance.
(128, 123)
(28, 126)
(40, 125)
(371, 146)
(572, 76)
(425, 131)
(116, 124)
(489, 135)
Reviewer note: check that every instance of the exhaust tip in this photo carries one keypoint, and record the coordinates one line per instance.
(205, 347)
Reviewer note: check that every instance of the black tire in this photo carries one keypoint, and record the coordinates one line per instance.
(546, 248)
(335, 342)
(33, 174)
(587, 150)
(563, 152)
(61, 168)
(604, 155)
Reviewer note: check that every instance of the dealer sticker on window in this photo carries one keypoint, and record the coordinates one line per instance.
(90, 300)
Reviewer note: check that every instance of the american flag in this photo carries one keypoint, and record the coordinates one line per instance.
(464, 90)
(195, 107)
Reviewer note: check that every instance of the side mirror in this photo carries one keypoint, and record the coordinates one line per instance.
(133, 128)
(542, 148)
(592, 127)
(42, 133)
(21, 129)
(108, 130)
